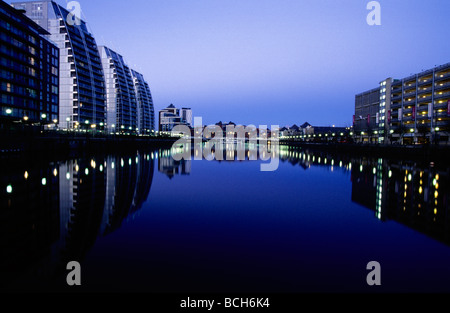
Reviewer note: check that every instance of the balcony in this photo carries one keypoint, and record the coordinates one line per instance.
(438, 105)
(441, 76)
(409, 94)
(442, 86)
(441, 95)
(425, 82)
(424, 98)
(441, 114)
(424, 90)
(396, 105)
(442, 123)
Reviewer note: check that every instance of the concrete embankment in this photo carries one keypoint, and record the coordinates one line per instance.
(66, 144)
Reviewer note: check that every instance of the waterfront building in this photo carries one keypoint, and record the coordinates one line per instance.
(29, 71)
(169, 118)
(121, 103)
(308, 133)
(186, 116)
(145, 108)
(82, 96)
(412, 110)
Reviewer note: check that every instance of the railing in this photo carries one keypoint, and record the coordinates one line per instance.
(410, 94)
(440, 77)
(423, 99)
(442, 95)
(422, 91)
(445, 85)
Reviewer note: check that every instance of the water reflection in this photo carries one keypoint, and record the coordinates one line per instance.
(168, 166)
(412, 193)
(53, 213)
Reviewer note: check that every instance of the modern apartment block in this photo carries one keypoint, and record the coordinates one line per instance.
(145, 108)
(412, 110)
(121, 96)
(169, 118)
(29, 71)
(186, 116)
(82, 96)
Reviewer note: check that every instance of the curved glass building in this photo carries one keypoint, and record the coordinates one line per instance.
(82, 96)
(146, 111)
(122, 111)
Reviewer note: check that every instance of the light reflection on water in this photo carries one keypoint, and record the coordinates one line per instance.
(55, 212)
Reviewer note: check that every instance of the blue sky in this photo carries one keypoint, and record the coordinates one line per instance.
(270, 61)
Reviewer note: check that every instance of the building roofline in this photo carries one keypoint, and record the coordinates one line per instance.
(21, 13)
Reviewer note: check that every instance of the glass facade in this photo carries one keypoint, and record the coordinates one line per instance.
(122, 111)
(146, 110)
(29, 70)
(82, 96)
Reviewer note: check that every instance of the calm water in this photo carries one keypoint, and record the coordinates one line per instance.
(140, 221)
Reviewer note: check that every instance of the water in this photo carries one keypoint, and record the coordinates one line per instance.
(140, 221)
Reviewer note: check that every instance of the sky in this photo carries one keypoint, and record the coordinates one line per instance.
(274, 62)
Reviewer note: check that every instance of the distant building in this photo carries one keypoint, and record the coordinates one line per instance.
(29, 70)
(412, 110)
(307, 132)
(186, 116)
(82, 96)
(170, 117)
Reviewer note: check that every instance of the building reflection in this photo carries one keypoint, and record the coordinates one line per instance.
(411, 193)
(414, 195)
(168, 166)
(53, 213)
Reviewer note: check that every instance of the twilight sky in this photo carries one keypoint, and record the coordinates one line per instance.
(270, 61)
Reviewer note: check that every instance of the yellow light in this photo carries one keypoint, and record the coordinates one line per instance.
(437, 176)
(435, 211)
(26, 175)
(26, 118)
(55, 172)
(436, 194)
(420, 190)
(77, 168)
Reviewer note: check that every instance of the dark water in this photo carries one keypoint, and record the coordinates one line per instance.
(142, 222)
